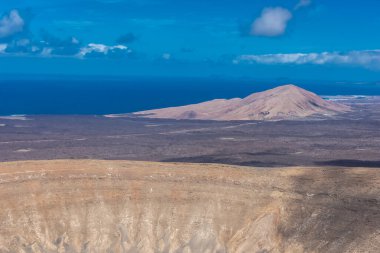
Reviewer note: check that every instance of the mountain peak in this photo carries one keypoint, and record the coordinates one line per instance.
(283, 102)
(287, 88)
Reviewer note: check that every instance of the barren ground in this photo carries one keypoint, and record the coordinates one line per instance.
(350, 140)
(130, 206)
(123, 206)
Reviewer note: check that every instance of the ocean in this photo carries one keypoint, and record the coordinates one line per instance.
(106, 96)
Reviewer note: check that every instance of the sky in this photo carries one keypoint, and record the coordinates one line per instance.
(264, 39)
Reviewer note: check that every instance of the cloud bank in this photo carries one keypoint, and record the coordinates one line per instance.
(365, 58)
(272, 22)
(54, 47)
(99, 50)
(11, 24)
(15, 41)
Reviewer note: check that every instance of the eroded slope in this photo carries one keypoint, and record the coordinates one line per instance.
(122, 206)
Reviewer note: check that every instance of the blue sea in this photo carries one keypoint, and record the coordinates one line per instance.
(112, 95)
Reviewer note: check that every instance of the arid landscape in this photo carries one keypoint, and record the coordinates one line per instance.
(307, 185)
(349, 139)
(166, 126)
(120, 206)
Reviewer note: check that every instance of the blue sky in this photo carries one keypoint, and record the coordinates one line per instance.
(267, 39)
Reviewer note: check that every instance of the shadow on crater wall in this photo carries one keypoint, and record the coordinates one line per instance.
(337, 210)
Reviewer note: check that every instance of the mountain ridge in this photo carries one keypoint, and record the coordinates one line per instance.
(283, 102)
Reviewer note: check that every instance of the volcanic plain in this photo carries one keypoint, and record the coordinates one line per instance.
(124, 183)
(350, 139)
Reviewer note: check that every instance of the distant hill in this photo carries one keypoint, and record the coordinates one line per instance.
(283, 102)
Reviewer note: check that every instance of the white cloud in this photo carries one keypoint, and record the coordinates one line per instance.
(272, 22)
(34, 49)
(74, 40)
(93, 48)
(3, 47)
(365, 58)
(23, 42)
(47, 51)
(11, 24)
(166, 56)
(302, 3)
(63, 48)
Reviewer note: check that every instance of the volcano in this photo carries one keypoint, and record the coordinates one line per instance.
(144, 207)
(281, 103)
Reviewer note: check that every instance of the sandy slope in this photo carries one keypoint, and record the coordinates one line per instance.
(284, 102)
(122, 206)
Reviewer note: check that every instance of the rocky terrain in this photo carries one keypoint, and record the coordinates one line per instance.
(284, 102)
(350, 139)
(123, 206)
